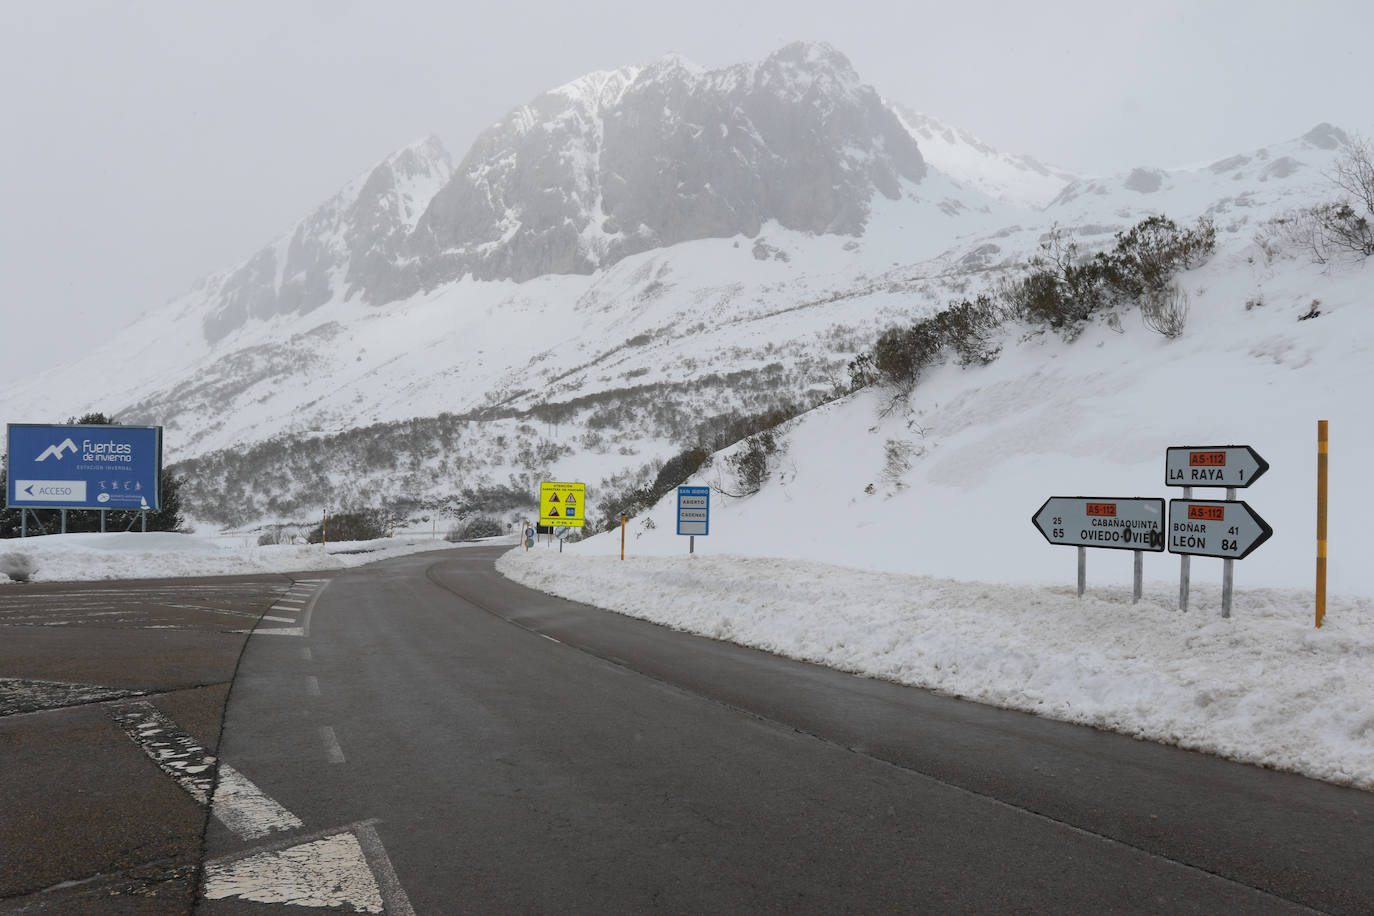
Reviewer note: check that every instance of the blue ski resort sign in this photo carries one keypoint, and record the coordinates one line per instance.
(84, 467)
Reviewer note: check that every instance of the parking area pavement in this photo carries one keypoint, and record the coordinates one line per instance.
(98, 802)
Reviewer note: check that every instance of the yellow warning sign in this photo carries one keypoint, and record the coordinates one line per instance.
(560, 504)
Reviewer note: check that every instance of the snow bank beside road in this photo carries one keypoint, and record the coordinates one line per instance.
(156, 555)
(1263, 687)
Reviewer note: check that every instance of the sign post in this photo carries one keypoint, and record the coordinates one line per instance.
(1133, 523)
(84, 467)
(1229, 466)
(693, 513)
(562, 505)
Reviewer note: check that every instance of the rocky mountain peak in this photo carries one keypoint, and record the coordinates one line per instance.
(622, 162)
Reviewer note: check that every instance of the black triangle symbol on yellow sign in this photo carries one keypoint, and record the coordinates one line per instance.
(553, 513)
(553, 498)
(571, 499)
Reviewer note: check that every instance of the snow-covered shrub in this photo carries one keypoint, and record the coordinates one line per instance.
(18, 566)
(751, 462)
(361, 525)
(482, 526)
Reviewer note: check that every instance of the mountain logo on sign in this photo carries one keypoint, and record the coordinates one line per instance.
(56, 451)
(553, 498)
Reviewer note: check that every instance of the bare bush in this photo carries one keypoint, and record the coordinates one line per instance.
(1165, 311)
(1334, 228)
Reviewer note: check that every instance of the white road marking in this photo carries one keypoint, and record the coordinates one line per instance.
(279, 619)
(328, 872)
(246, 810)
(331, 745)
(176, 753)
(304, 628)
(18, 695)
(393, 895)
(312, 685)
(306, 654)
(238, 804)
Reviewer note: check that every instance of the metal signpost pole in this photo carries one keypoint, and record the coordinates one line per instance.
(1082, 570)
(1184, 563)
(623, 519)
(1137, 585)
(1228, 569)
(692, 543)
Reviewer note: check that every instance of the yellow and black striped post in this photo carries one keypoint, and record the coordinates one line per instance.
(1321, 520)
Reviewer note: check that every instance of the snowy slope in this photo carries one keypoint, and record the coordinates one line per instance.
(1018, 180)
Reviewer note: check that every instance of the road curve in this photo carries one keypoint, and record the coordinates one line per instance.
(495, 749)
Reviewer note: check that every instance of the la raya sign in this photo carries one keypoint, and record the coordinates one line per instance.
(1212, 466)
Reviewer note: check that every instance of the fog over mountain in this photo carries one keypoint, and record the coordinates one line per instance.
(610, 165)
(622, 267)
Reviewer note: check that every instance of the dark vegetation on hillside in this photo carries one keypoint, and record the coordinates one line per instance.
(1062, 288)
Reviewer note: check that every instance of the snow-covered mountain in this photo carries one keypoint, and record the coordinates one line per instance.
(611, 269)
(1020, 180)
(341, 251)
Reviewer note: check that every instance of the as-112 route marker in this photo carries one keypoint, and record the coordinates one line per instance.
(1115, 523)
(1229, 466)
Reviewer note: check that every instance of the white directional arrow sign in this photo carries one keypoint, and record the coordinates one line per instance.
(1085, 521)
(1230, 530)
(1212, 466)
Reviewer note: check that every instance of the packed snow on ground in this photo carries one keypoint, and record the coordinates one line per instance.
(160, 554)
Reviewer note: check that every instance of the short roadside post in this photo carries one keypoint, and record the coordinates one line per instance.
(693, 514)
(1321, 520)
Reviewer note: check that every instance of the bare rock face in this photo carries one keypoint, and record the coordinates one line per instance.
(348, 247)
(618, 163)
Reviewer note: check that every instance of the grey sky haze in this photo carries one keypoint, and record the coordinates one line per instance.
(147, 144)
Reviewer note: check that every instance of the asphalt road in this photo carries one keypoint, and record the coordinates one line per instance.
(436, 739)
(421, 735)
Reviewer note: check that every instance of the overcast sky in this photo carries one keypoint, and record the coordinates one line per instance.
(146, 144)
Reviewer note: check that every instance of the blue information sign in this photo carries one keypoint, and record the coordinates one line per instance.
(693, 510)
(84, 467)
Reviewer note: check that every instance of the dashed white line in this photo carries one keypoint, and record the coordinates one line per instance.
(312, 685)
(306, 654)
(304, 628)
(332, 750)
